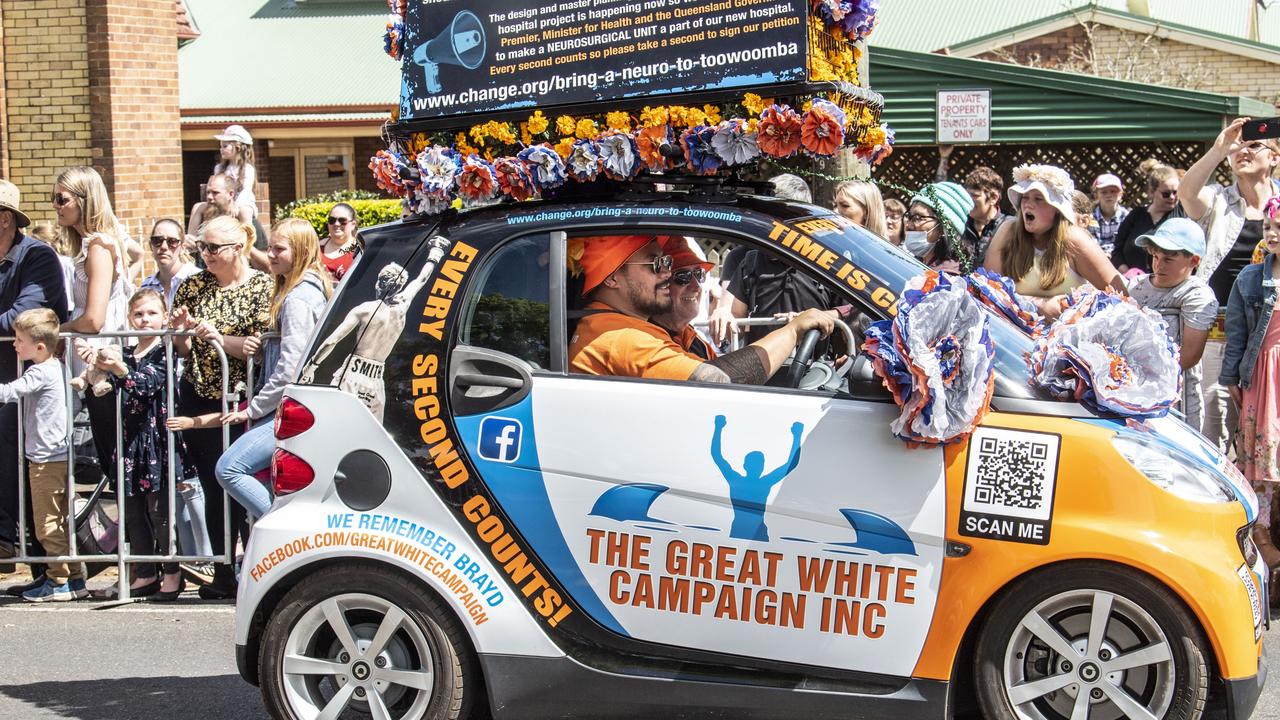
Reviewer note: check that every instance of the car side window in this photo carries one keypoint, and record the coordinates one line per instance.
(508, 308)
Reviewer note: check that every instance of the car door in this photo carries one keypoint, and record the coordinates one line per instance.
(750, 521)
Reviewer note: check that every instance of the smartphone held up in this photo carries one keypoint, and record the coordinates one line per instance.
(1261, 129)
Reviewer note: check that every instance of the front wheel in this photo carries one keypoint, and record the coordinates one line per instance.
(1095, 642)
(364, 642)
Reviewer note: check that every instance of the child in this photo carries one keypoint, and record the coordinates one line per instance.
(44, 422)
(141, 376)
(1251, 374)
(1187, 304)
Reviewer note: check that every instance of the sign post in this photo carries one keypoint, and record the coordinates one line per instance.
(964, 116)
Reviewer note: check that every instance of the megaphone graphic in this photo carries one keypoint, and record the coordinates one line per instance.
(462, 43)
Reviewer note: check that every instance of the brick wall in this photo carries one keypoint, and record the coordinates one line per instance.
(1047, 51)
(1123, 54)
(133, 88)
(365, 148)
(46, 95)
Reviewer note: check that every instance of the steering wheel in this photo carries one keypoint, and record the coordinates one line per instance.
(803, 358)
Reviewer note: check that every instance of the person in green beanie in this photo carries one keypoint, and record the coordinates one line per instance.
(935, 227)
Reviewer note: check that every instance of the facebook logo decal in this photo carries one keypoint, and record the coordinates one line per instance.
(500, 439)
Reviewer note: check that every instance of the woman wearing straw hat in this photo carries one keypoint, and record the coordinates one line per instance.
(1043, 251)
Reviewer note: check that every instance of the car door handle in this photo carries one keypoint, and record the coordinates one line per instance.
(482, 380)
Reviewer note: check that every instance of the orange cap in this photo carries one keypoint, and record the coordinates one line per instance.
(682, 256)
(604, 254)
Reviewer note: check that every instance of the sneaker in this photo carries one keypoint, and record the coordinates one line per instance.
(48, 592)
(200, 573)
(18, 590)
(7, 549)
(78, 589)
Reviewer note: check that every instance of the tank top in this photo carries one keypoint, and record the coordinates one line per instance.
(1239, 256)
(117, 301)
(1029, 284)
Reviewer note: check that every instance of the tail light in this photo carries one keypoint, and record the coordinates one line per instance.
(290, 473)
(293, 418)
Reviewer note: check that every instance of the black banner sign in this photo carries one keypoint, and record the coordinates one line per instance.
(474, 56)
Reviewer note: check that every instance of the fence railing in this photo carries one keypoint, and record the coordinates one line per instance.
(123, 555)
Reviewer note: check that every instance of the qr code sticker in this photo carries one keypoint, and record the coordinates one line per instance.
(1011, 473)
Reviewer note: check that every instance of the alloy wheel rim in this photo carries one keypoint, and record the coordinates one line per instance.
(358, 651)
(1088, 654)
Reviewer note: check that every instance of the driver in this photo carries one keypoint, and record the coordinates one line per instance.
(626, 283)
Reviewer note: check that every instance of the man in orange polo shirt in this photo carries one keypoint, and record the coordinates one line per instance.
(627, 280)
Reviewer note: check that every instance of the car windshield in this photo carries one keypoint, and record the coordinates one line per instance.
(894, 267)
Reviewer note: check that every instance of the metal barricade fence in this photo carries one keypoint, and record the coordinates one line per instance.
(123, 556)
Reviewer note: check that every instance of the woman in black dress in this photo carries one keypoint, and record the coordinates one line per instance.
(1162, 191)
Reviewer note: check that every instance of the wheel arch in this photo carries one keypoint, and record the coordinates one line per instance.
(961, 679)
(270, 601)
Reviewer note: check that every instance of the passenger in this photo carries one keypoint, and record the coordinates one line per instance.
(302, 289)
(933, 210)
(689, 281)
(1042, 250)
(627, 281)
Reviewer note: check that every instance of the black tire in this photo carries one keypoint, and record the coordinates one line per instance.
(427, 648)
(1013, 663)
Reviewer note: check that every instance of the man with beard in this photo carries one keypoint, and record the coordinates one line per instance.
(627, 281)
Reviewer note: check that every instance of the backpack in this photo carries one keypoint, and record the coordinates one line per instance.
(775, 287)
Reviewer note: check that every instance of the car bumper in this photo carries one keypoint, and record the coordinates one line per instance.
(1243, 693)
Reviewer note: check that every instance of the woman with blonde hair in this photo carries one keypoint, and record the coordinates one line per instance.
(226, 304)
(1162, 192)
(100, 285)
(860, 202)
(1044, 251)
(302, 288)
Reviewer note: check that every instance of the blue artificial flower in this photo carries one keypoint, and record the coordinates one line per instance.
(439, 168)
(546, 168)
(619, 156)
(584, 161)
(699, 154)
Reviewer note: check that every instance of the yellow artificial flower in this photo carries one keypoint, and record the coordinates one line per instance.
(712, 114)
(419, 142)
(618, 120)
(479, 133)
(463, 147)
(565, 125)
(875, 136)
(653, 117)
(754, 103)
(586, 129)
(501, 132)
(807, 104)
(753, 125)
(537, 123)
(525, 136)
(564, 148)
(694, 116)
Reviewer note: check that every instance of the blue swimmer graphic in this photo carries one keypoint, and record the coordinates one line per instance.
(749, 490)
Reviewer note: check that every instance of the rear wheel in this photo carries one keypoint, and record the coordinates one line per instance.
(364, 642)
(1093, 642)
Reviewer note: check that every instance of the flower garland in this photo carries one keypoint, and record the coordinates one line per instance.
(522, 160)
(854, 19)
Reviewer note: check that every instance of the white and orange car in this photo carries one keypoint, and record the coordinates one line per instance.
(463, 526)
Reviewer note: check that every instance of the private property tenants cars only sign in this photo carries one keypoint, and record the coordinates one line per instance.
(475, 56)
(964, 116)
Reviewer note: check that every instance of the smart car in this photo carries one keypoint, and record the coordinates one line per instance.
(464, 527)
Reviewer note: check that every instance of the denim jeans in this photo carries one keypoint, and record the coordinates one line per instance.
(193, 534)
(246, 456)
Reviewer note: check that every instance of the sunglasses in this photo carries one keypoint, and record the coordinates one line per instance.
(659, 265)
(60, 200)
(1167, 194)
(214, 248)
(688, 275)
(158, 240)
(1255, 147)
(337, 221)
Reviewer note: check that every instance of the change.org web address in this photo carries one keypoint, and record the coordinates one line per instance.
(585, 213)
(593, 80)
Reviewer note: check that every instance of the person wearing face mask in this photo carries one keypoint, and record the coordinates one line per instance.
(688, 284)
(1162, 192)
(1043, 250)
(935, 224)
(1232, 217)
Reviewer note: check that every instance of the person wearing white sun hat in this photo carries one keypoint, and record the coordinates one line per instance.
(1043, 251)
